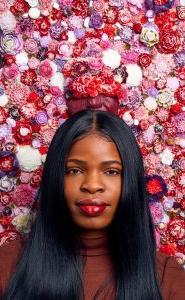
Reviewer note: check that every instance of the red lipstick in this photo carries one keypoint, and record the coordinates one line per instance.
(92, 207)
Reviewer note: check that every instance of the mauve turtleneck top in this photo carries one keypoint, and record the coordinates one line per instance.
(99, 272)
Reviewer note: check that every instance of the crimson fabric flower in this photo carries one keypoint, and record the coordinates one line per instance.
(169, 41)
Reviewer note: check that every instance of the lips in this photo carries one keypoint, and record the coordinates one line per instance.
(92, 207)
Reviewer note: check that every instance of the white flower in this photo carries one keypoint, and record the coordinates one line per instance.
(7, 21)
(128, 118)
(111, 58)
(167, 157)
(149, 35)
(165, 98)
(57, 80)
(134, 75)
(32, 3)
(22, 58)
(71, 37)
(23, 223)
(150, 103)
(172, 83)
(29, 158)
(3, 100)
(6, 183)
(180, 141)
(34, 13)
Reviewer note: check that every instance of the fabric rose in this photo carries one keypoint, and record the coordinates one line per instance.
(8, 164)
(45, 69)
(149, 35)
(10, 43)
(11, 72)
(169, 41)
(6, 184)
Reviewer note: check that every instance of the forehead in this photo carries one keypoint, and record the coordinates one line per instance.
(94, 146)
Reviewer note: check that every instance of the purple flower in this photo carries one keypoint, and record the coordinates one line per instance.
(8, 164)
(179, 58)
(95, 21)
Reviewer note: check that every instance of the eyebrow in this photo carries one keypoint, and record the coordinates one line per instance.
(82, 162)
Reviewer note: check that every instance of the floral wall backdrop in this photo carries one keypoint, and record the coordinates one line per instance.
(46, 45)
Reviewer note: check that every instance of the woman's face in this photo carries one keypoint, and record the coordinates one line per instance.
(92, 183)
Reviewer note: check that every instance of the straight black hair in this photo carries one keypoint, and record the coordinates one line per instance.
(50, 267)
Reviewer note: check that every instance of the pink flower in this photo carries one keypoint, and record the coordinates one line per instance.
(11, 72)
(3, 6)
(45, 69)
(157, 212)
(18, 93)
(23, 195)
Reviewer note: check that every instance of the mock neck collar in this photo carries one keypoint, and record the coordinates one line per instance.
(95, 246)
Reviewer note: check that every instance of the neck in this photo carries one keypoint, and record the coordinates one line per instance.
(93, 234)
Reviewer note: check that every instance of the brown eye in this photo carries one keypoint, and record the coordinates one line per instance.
(72, 171)
(113, 172)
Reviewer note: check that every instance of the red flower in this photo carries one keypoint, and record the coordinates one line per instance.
(9, 59)
(3, 115)
(180, 95)
(20, 7)
(137, 27)
(144, 60)
(80, 8)
(169, 41)
(176, 229)
(110, 15)
(29, 77)
(169, 249)
(42, 25)
(180, 73)
(23, 132)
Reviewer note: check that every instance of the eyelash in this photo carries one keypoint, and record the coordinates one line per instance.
(68, 170)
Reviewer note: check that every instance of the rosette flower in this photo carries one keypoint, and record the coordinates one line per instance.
(8, 164)
(10, 43)
(156, 187)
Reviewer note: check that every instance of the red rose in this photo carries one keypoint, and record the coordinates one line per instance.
(80, 8)
(6, 163)
(144, 60)
(180, 95)
(42, 25)
(169, 41)
(9, 59)
(23, 132)
(20, 7)
(29, 77)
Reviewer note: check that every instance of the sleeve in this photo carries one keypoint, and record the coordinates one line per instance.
(172, 278)
(177, 276)
(9, 256)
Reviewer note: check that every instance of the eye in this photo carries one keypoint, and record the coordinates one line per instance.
(113, 172)
(72, 171)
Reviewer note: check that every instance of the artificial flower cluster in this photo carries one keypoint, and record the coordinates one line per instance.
(51, 50)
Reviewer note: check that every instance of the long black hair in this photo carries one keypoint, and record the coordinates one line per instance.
(50, 267)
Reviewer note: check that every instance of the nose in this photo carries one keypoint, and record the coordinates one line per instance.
(92, 183)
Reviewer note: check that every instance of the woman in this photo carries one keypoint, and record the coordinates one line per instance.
(93, 236)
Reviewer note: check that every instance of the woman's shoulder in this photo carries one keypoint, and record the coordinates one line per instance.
(10, 253)
(171, 277)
